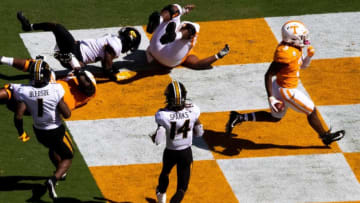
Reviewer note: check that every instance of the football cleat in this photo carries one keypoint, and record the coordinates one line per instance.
(51, 188)
(63, 177)
(329, 137)
(123, 75)
(170, 34)
(154, 21)
(63, 57)
(25, 24)
(234, 119)
(161, 197)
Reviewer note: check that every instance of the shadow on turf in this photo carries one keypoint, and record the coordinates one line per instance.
(14, 77)
(16, 183)
(11, 183)
(233, 145)
(136, 62)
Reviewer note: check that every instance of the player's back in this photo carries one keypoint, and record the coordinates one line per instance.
(42, 103)
(179, 126)
(93, 49)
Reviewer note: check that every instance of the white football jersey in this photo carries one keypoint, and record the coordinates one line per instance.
(93, 50)
(173, 53)
(179, 126)
(41, 103)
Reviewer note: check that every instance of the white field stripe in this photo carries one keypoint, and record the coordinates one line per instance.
(123, 141)
(346, 117)
(333, 35)
(225, 88)
(43, 43)
(302, 178)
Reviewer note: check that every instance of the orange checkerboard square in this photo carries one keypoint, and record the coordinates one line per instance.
(291, 136)
(137, 183)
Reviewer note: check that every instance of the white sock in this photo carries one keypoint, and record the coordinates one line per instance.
(7, 60)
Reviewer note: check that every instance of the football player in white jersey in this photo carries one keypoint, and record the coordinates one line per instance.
(71, 52)
(45, 102)
(79, 85)
(173, 40)
(177, 123)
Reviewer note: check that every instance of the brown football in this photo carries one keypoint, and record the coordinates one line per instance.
(280, 106)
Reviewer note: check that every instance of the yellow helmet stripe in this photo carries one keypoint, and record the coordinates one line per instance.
(37, 70)
(177, 92)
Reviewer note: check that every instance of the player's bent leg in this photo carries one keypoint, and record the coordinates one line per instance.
(178, 196)
(236, 118)
(183, 174)
(170, 33)
(315, 122)
(25, 24)
(171, 11)
(193, 62)
(154, 22)
(169, 161)
(326, 136)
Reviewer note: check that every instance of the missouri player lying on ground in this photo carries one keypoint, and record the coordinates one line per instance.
(70, 52)
(79, 85)
(173, 40)
(45, 102)
(283, 92)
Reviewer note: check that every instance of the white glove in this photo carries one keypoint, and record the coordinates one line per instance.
(272, 102)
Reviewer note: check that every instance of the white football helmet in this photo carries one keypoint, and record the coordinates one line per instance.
(295, 33)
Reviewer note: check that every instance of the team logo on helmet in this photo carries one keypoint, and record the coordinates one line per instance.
(130, 39)
(40, 72)
(175, 95)
(295, 33)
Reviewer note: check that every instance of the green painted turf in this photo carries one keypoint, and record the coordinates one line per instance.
(22, 165)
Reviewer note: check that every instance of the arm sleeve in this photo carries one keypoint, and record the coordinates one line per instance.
(60, 91)
(198, 130)
(160, 135)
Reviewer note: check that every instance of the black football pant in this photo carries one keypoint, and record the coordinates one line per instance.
(183, 160)
(64, 39)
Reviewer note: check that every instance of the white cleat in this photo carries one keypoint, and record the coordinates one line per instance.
(161, 197)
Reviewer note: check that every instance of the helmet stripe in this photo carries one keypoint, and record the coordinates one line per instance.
(177, 92)
(37, 70)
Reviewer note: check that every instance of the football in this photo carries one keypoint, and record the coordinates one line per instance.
(280, 106)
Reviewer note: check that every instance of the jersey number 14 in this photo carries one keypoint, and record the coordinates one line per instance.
(183, 129)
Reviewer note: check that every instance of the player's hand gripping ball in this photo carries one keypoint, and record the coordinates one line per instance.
(280, 106)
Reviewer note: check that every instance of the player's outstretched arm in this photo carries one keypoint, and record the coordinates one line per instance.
(64, 109)
(20, 64)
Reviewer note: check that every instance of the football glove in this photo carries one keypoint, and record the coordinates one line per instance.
(223, 52)
(24, 137)
(310, 51)
(272, 102)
